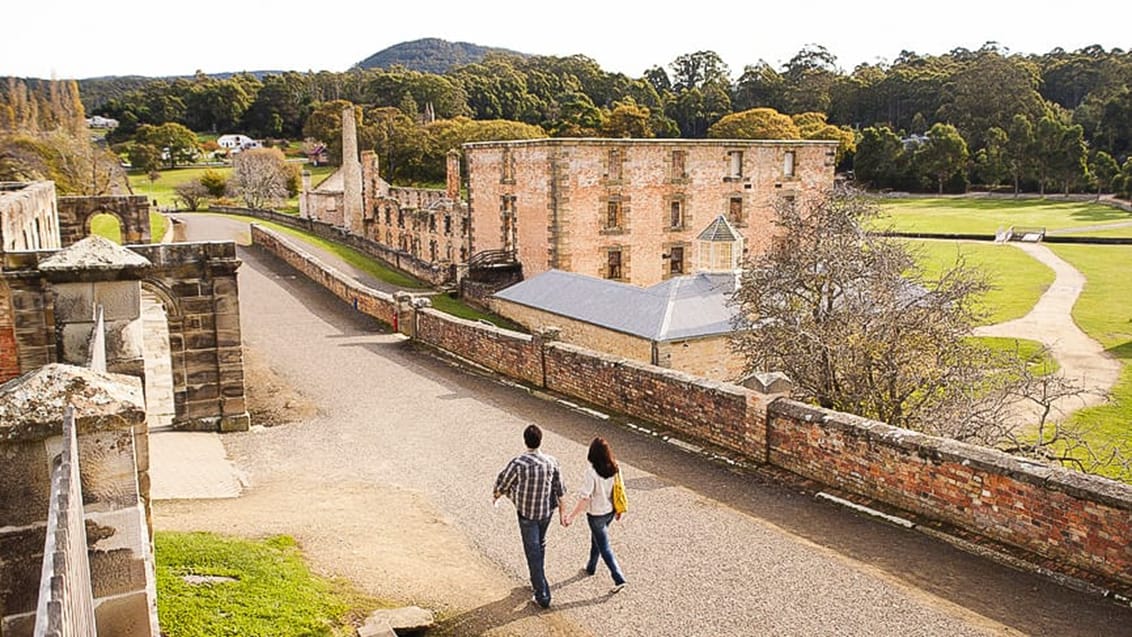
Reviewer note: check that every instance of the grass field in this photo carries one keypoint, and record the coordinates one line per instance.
(106, 225)
(267, 590)
(986, 215)
(1017, 280)
(163, 192)
(1104, 312)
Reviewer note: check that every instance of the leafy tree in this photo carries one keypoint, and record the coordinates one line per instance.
(944, 154)
(698, 70)
(398, 141)
(760, 86)
(756, 123)
(177, 143)
(214, 182)
(325, 125)
(809, 78)
(814, 126)
(628, 119)
(576, 117)
(1013, 80)
(1060, 152)
(144, 157)
(990, 161)
(1103, 170)
(880, 158)
(1020, 149)
(259, 177)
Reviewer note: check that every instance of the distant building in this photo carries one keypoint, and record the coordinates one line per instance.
(630, 209)
(99, 121)
(236, 142)
(683, 323)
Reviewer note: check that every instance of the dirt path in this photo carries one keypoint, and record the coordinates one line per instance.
(1050, 322)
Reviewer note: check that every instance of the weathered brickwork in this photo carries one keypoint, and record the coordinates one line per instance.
(511, 353)
(709, 357)
(1079, 521)
(566, 203)
(9, 354)
(1074, 518)
(716, 412)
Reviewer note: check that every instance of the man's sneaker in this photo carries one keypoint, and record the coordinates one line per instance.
(587, 572)
(535, 602)
(617, 588)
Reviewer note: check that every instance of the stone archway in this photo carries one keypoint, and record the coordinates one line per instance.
(161, 317)
(132, 212)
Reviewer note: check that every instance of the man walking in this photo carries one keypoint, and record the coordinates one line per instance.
(534, 484)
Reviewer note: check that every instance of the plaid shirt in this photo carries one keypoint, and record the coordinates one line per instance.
(533, 482)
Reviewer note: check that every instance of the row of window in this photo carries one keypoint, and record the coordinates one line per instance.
(432, 224)
(412, 245)
(677, 169)
(615, 217)
(614, 270)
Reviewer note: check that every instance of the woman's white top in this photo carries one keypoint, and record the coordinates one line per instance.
(599, 490)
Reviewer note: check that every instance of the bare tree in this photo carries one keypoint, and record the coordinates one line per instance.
(859, 327)
(191, 194)
(259, 177)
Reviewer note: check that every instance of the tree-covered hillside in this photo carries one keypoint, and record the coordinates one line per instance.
(429, 55)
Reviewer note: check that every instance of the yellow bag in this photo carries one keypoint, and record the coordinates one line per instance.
(620, 502)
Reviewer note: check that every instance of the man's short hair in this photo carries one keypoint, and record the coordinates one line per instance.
(533, 436)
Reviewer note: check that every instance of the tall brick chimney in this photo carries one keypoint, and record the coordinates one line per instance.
(453, 190)
(351, 173)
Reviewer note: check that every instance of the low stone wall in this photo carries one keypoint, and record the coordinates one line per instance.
(423, 270)
(367, 300)
(1073, 518)
(1079, 521)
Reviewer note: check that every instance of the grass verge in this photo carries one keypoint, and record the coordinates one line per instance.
(985, 215)
(1017, 279)
(271, 592)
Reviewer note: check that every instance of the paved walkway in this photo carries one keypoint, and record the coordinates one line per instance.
(1081, 358)
(389, 486)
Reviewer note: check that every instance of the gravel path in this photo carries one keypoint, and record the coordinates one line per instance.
(1081, 358)
(389, 485)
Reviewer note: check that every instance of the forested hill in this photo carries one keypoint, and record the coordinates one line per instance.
(430, 55)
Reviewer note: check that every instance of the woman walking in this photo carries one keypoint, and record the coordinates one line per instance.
(597, 501)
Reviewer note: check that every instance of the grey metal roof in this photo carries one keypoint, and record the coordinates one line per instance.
(719, 230)
(680, 308)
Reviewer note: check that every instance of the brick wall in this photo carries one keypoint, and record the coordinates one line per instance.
(720, 413)
(577, 332)
(9, 354)
(510, 353)
(1076, 519)
(710, 357)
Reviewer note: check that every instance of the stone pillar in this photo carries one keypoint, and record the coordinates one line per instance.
(453, 176)
(351, 174)
(304, 205)
(113, 460)
(90, 274)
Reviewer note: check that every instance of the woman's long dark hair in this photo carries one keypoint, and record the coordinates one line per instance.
(601, 457)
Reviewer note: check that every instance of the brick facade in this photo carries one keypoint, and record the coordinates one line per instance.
(568, 203)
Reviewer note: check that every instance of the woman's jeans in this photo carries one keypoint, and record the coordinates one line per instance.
(599, 546)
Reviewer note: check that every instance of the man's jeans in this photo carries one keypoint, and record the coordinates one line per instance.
(599, 546)
(534, 545)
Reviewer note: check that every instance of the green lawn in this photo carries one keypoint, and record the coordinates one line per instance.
(985, 215)
(163, 189)
(1104, 312)
(1017, 279)
(271, 590)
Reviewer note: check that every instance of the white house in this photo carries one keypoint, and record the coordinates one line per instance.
(99, 121)
(236, 143)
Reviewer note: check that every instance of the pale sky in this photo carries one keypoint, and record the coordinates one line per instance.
(71, 39)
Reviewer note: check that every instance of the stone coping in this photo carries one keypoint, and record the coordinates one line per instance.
(32, 405)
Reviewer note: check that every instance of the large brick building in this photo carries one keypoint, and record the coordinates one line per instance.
(630, 209)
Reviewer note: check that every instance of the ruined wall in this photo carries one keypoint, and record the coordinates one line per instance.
(29, 219)
(1079, 521)
(562, 190)
(132, 212)
(511, 353)
(32, 310)
(9, 352)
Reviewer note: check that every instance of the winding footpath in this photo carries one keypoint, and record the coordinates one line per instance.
(1082, 359)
